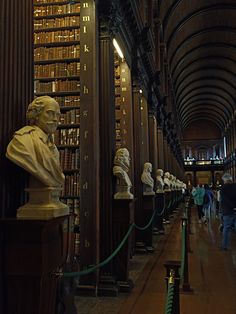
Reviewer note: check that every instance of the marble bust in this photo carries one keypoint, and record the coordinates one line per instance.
(159, 181)
(171, 181)
(167, 186)
(147, 180)
(120, 171)
(32, 148)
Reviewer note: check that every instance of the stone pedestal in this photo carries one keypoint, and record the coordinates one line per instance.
(159, 206)
(123, 217)
(31, 251)
(43, 204)
(167, 206)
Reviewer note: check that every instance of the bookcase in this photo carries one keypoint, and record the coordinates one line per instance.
(123, 106)
(57, 74)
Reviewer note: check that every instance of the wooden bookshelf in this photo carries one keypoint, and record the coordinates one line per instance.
(57, 74)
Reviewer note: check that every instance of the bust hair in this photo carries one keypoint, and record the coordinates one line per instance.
(36, 107)
(147, 166)
(121, 154)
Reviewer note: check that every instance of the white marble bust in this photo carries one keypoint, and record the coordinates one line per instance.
(167, 187)
(147, 180)
(32, 148)
(159, 181)
(171, 178)
(120, 171)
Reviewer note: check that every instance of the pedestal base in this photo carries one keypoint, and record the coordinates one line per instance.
(43, 204)
(125, 286)
(107, 287)
(86, 290)
(140, 248)
(31, 252)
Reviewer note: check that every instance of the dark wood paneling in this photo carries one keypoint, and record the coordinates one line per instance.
(89, 141)
(16, 92)
(107, 145)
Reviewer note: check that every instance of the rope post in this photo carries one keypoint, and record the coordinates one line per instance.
(172, 276)
(184, 259)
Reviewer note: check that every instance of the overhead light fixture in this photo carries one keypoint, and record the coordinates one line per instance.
(119, 51)
(140, 91)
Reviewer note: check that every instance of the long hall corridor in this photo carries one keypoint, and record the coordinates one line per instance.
(212, 274)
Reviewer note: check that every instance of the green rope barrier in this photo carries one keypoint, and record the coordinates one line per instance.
(170, 298)
(116, 251)
(107, 260)
(148, 225)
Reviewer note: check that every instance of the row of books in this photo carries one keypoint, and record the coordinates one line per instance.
(68, 101)
(73, 204)
(51, 53)
(67, 136)
(70, 117)
(71, 185)
(57, 70)
(56, 9)
(46, 1)
(57, 36)
(69, 158)
(117, 71)
(56, 22)
(77, 244)
(57, 86)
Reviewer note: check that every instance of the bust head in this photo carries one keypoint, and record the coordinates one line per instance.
(147, 179)
(167, 175)
(122, 158)
(159, 173)
(44, 112)
(147, 167)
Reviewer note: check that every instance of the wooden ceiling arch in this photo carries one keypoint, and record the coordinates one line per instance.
(200, 40)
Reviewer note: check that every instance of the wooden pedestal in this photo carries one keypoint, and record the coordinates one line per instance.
(168, 196)
(148, 208)
(31, 250)
(123, 217)
(159, 206)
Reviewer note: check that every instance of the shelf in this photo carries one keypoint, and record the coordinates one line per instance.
(68, 126)
(57, 78)
(66, 60)
(73, 197)
(53, 29)
(53, 16)
(54, 94)
(42, 4)
(58, 44)
(68, 146)
(67, 108)
(70, 171)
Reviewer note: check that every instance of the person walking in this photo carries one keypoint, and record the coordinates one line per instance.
(198, 196)
(228, 208)
(207, 201)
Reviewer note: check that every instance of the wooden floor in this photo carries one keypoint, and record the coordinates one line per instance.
(212, 275)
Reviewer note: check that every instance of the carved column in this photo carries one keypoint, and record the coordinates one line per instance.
(160, 149)
(89, 144)
(144, 147)
(16, 92)
(138, 167)
(166, 161)
(107, 151)
(153, 152)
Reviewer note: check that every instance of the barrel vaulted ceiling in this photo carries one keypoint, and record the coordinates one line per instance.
(200, 39)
